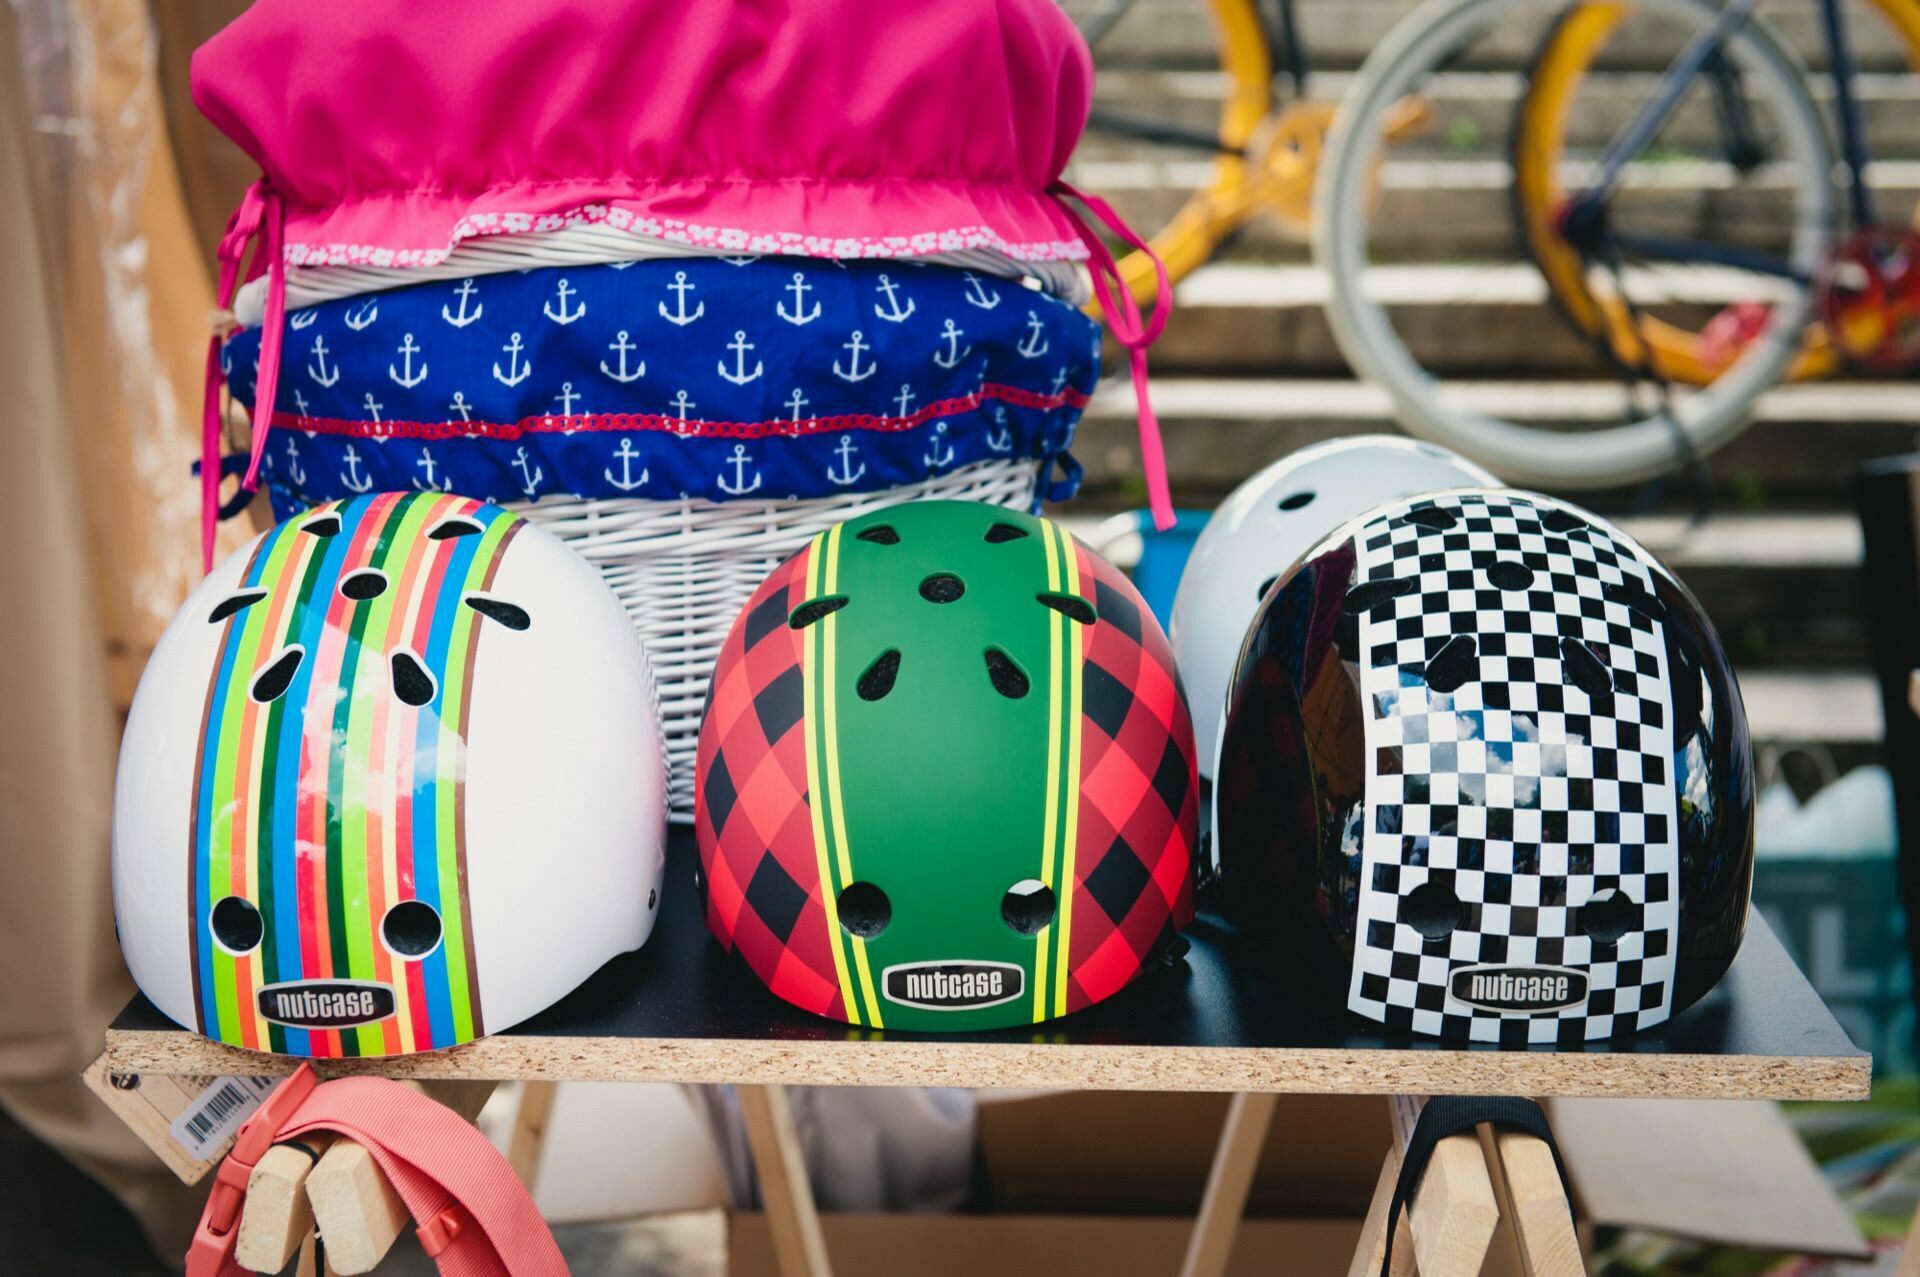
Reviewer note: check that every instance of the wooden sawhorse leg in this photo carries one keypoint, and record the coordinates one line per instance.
(798, 1243)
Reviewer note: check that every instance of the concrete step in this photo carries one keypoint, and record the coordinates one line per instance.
(1799, 453)
(1439, 209)
(1235, 317)
(1339, 34)
(1473, 111)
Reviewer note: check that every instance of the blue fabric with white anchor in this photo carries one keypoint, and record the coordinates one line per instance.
(716, 378)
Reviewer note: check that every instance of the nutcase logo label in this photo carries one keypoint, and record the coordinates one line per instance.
(953, 986)
(1522, 990)
(326, 1004)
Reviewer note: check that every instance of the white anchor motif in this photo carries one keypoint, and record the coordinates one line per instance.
(904, 398)
(1059, 380)
(626, 482)
(855, 373)
(410, 378)
(566, 398)
(682, 403)
(517, 372)
(941, 455)
(799, 314)
(741, 261)
(299, 403)
(295, 471)
(680, 287)
(620, 345)
(302, 319)
(1036, 343)
(739, 487)
(465, 316)
(322, 374)
(461, 406)
(846, 474)
(977, 295)
(797, 401)
(563, 315)
(953, 354)
(373, 408)
(530, 474)
(426, 463)
(352, 477)
(893, 311)
(1000, 440)
(226, 360)
(740, 346)
(363, 315)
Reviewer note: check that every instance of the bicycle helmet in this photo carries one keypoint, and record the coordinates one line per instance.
(1489, 758)
(404, 747)
(1266, 524)
(946, 776)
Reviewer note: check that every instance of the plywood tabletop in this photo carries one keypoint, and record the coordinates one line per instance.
(1233, 1017)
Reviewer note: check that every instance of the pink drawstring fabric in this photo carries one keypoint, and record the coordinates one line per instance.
(1132, 331)
(260, 216)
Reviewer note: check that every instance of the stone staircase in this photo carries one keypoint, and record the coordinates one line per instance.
(1248, 370)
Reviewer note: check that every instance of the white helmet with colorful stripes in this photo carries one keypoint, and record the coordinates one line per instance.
(392, 780)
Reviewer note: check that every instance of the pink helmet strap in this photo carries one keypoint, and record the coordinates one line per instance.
(474, 1217)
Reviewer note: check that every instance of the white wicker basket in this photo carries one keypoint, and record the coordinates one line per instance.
(684, 569)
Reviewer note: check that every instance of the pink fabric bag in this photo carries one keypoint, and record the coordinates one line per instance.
(387, 133)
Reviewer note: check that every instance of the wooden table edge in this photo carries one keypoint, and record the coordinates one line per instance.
(1300, 1070)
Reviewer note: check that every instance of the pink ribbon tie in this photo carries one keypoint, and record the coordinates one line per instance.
(259, 217)
(1129, 328)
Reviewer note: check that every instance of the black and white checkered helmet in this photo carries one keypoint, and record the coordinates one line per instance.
(1489, 757)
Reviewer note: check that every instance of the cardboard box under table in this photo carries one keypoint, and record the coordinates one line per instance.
(1231, 1020)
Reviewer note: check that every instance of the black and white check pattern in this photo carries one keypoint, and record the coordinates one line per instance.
(1516, 789)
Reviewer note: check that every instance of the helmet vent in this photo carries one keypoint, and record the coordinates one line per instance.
(325, 526)
(1028, 906)
(234, 603)
(879, 534)
(942, 587)
(1431, 517)
(511, 615)
(878, 680)
(1508, 575)
(1632, 596)
(236, 924)
(1609, 916)
(1006, 676)
(411, 929)
(1072, 606)
(1005, 532)
(813, 609)
(453, 526)
(272, 682)
(1454, 665)
(411, 682)
(1369, 595)
(1562, 521)
(1297, 500)
(367, 583)
(864, 909)
(1585, 669)
(1432, 909)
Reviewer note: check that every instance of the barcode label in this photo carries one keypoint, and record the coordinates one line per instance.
(217, 1112)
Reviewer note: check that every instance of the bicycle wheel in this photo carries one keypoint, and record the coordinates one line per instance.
(1586, 61)
(1181, 104)
(1619, 422)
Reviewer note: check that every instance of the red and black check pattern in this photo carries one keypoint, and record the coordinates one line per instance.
(1139, 792)
(752, 814)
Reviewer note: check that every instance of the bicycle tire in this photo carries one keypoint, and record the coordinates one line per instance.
(1606, 456)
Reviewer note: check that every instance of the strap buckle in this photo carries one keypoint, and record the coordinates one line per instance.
(215, 1235)
(441, 1230)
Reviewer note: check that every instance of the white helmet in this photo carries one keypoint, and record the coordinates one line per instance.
(406, 750)
(1267, 524)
